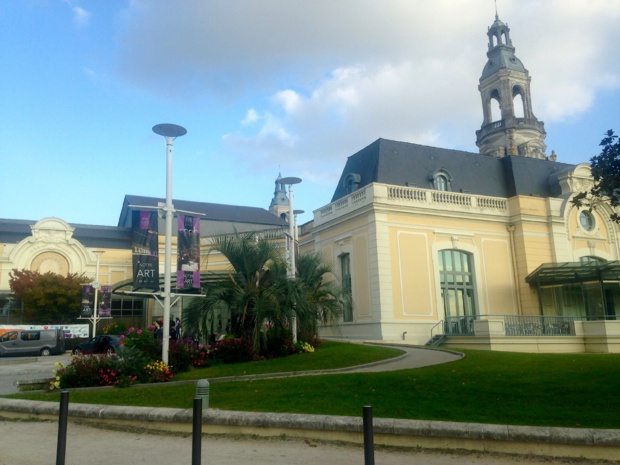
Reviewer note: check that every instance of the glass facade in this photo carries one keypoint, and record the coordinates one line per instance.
(457, 283)
(128, 311)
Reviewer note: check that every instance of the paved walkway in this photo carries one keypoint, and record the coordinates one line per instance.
(414, 357)
(34, 443)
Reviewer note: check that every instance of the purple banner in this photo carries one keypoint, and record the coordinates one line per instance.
(188, 255)
(105, 297)
(145, 250)
(88, 301)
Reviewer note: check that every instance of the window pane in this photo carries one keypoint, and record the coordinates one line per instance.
(458, 266)
(441, 183)
(457, 283)
(448, 255)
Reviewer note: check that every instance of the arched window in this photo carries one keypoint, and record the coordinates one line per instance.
(441, 180)
(352, 182)
(441, 183)
(495, 106)
(456, 277)
(518, 104)
(501, 39)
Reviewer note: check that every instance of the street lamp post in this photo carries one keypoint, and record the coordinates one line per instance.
(96, 286)
(291, 253)
(170, 132)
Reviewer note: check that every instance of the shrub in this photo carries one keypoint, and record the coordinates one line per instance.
(231, 351)
(181, 355)
(122, 369)
(276, 344)
(301, 347)
(82, 371)
(116, 327)
(158, 372)
(144, 340)
(202, 357)
(131, 360)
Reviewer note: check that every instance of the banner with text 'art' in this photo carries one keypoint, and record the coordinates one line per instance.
(88, 297)
(145, 250)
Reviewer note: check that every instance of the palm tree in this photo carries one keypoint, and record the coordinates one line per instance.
(248, 293)
(258, 294)
(321, 300)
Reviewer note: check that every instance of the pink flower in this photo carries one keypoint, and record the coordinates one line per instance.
(122, 336)
(139, 331)
(131, 330)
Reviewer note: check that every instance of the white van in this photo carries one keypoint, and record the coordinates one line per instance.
(32, 342)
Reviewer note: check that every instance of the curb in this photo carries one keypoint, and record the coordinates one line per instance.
(523, 440)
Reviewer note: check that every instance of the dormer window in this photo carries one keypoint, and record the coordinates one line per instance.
(351, 182)
(441, 183)
(441, 180)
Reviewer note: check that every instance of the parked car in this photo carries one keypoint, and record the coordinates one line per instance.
(101, 344)
(32, 342)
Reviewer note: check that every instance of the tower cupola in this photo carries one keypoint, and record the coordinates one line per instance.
(509, 126)
(279, 204)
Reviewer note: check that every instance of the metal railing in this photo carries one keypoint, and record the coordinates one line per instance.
(515, 325)
(532, 325)
(459, 325)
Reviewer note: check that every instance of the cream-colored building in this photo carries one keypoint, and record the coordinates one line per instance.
(484, 248)
(51, 244)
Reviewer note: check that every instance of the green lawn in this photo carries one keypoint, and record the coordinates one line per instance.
(484, 387)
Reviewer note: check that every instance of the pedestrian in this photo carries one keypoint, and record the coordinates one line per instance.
(177, 327)
(172, 333)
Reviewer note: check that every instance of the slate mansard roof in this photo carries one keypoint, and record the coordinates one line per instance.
(406, 164)
(112, 237)
(220, 219)
(213, 212)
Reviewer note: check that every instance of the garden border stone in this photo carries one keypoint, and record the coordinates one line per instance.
(545, 441)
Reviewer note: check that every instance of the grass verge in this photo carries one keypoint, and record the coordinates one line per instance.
(577, 390)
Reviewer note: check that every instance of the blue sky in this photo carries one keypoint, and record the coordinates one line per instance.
(268, 86)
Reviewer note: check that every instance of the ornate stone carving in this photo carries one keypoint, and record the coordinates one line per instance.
(50, 262)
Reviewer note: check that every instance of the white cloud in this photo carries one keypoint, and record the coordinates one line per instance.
(81, 17)
(341, 74)
(251, 117)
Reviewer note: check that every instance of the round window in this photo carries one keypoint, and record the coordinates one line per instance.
(586, 219)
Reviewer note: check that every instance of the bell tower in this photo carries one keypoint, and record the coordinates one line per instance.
(279, 204)
(509, 126)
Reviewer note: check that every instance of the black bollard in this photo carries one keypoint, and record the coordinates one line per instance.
(61, 446)
(197, 431)
(369, 442)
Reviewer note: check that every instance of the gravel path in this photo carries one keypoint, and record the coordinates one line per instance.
(34, 443)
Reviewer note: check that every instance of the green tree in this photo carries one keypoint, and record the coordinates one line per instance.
(319, 300)
(48, 297)
(248, 293)
(606, 173)
(258, 294)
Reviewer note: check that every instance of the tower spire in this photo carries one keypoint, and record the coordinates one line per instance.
(509, 126)
(279, 203)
